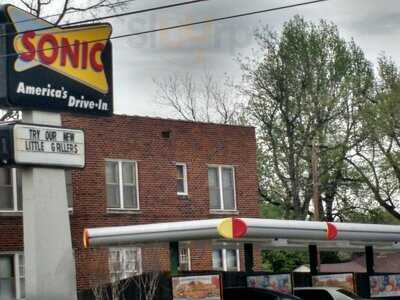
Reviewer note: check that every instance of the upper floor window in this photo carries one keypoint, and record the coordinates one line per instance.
(68, 182)
(121, 181)
(221, 187)
(226, 259)
(12, 276)
(124, 262)
(181, 179)
(10, 190)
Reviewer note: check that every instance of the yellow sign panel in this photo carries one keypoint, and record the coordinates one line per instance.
(73, 52)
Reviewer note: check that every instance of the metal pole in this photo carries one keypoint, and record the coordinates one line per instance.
(316, 183)
(174, 257)
(314, 259)
(369, 259)
(49, 260)
(248, 257)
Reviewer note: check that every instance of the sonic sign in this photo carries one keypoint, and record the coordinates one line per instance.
(45, 67)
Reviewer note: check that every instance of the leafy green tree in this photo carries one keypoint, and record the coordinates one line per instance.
(283, 261)
(304, 91)
(376, 215)
(288, 260)
(376, 157)
(272, 211)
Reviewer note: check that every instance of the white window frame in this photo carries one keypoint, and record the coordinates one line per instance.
(17, 274)
(121, 185)
(189, 263)
(224, 260)
(14, 184)
(17, 277)
(70, 208)
(123, 250)
(221, 194)
(185, 180)
(14, 193)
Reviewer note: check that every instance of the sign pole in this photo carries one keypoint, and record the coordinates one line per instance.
(57, 69)
(49, 259)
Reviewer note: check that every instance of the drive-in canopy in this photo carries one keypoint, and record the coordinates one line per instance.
(266, 233)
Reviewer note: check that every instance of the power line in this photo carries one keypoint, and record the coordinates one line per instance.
(174, 27)
(217, 19)
(111, 17)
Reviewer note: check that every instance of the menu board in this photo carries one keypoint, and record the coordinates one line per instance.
(204, 287)
(384, 285)
(344, 281)
(277, 282)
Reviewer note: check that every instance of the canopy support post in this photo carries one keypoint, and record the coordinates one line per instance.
(369, 259)
(248, 257)
(314, 259)
(174, 257)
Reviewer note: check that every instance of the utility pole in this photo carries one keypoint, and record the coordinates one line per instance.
(315, 178)
(313, 249)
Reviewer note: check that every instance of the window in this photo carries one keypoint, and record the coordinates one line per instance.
(184, 259)
(7, 286)
(10, 190)
(124, 263)
(121, 181)
(221, 187)
(217, 259)
(68, 182)
(181, 179)
(20, 275)
(12, 276)
(226, 259)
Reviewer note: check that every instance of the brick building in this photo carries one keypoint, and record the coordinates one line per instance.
(143, 170)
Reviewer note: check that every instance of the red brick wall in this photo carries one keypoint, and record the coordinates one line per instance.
(11, 234)
(155, 257)
(201, 255)
(257, 256)
(91, 267)
(140, 139)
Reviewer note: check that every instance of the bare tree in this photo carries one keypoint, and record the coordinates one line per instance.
(107, 279)
(62, 8)
(118, 288)
(147, 283)
(99, 279)
(204, 100)
(99, 290)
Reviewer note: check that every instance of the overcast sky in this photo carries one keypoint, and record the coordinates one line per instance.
(374, 24)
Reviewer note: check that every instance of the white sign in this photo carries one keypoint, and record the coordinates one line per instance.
(49, 146)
